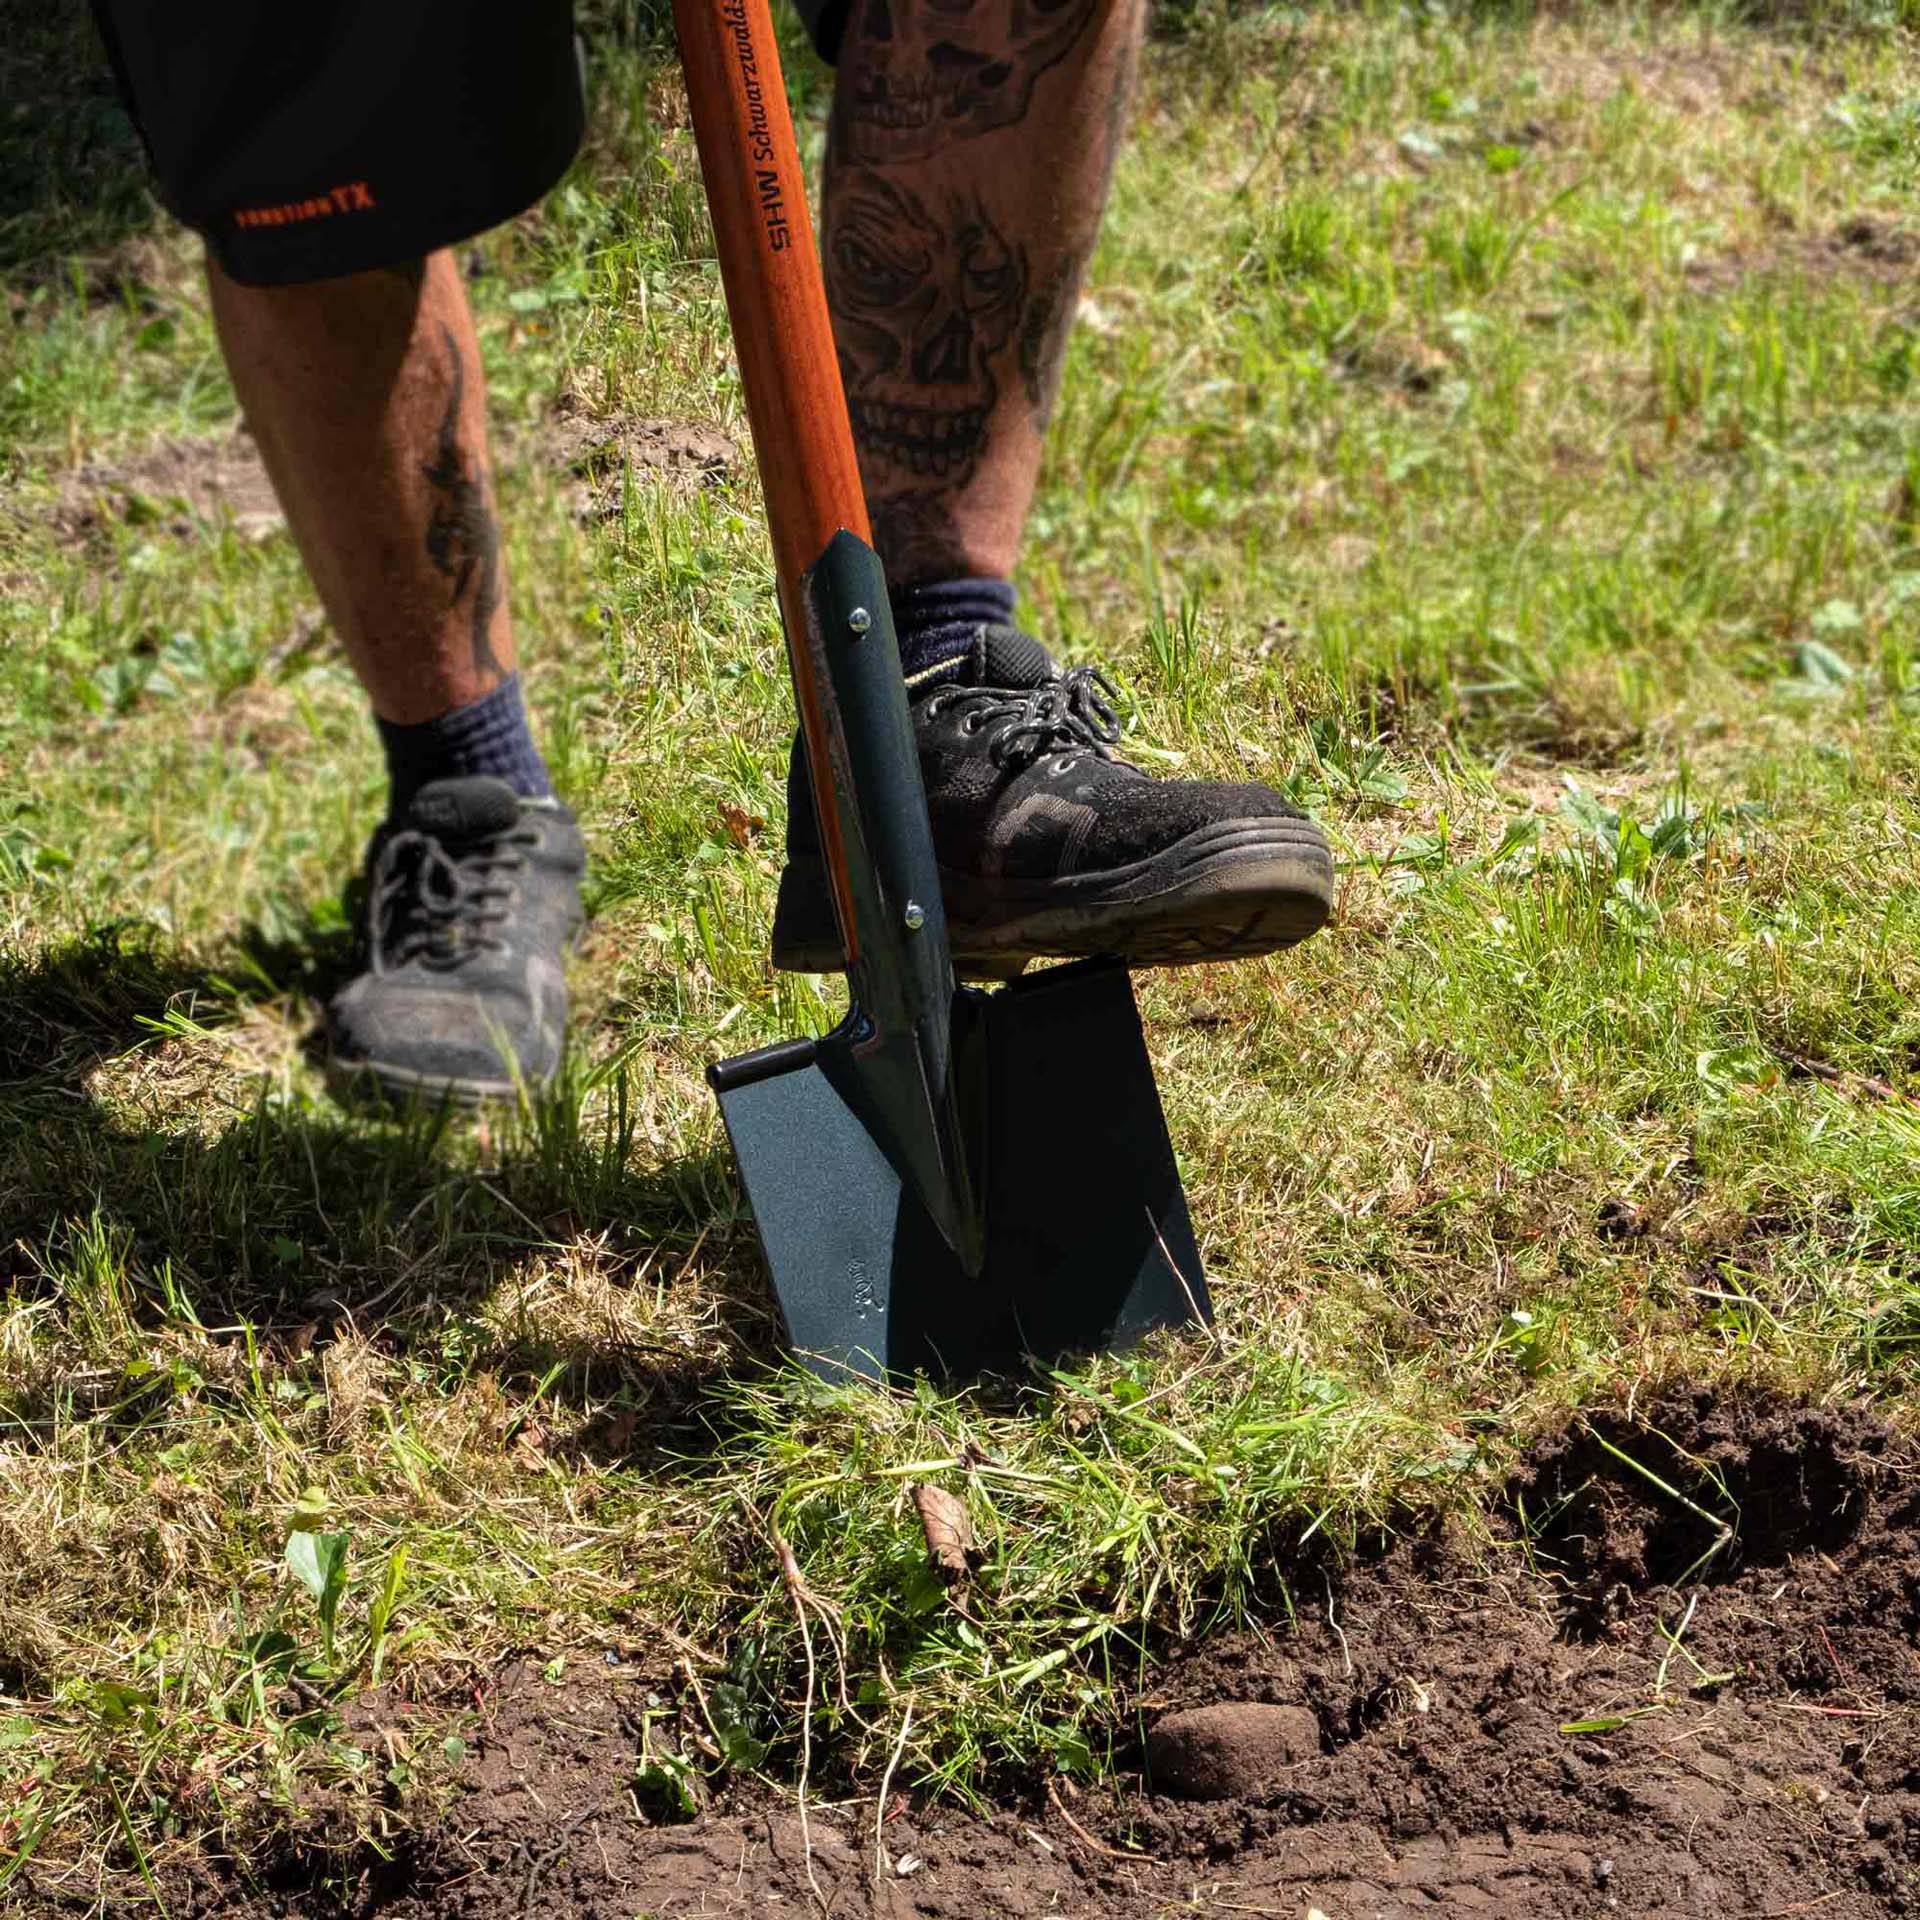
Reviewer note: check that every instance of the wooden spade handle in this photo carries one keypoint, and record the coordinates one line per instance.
(783, 337)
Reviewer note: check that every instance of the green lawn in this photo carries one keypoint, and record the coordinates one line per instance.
(1499, 428)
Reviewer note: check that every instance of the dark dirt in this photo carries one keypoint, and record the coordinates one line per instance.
(1544, 1721)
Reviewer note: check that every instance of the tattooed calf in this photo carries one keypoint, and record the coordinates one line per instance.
(917, 533)
(930, 72)
(922, 305)
(463, 539)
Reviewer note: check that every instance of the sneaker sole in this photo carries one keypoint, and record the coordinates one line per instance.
(1231, 891)
(370, 1083)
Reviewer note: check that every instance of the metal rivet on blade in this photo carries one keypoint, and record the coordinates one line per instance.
(859, 620)
(915, 916)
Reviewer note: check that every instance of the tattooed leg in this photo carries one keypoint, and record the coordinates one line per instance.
(463, 540)
(969, 156)
(366, 397)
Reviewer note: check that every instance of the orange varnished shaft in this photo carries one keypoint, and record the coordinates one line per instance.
(781, 333)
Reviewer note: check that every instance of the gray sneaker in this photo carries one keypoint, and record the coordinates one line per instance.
(472, 899)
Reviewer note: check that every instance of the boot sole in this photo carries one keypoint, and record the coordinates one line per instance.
(1230, 891)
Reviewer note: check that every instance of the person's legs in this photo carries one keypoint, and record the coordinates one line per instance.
(968, 163)
(367, 399)
(329, 157)
(969, 159)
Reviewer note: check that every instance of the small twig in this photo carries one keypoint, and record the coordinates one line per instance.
(1099, 1846)
(886, 1793)
(1801, 1906)
(1839, 1666)
(1846, 1079)
(1836, 1713)
(1338, 1634)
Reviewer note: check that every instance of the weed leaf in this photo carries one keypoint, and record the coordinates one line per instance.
(319, 1562)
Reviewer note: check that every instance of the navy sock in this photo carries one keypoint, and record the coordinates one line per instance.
(489, 735)
(937, 623)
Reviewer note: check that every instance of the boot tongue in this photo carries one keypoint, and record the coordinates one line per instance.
(471, 807)
(1006, 657)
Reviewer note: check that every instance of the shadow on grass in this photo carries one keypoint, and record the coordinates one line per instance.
(299, 1221)
(73, 180)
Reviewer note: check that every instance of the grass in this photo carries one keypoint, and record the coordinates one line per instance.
(1498, 427)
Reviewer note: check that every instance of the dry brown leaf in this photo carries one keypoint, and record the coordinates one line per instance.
(949, 1531)
(741, 825)
(530, 1448)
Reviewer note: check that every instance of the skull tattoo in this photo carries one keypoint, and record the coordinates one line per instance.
(937, 71)
(923, 304)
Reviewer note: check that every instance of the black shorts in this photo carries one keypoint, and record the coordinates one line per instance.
(334, 136)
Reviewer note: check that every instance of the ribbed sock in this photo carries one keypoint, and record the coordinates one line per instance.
(489, 735)
(937, 623)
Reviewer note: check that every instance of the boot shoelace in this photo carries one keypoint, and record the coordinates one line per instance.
(432, 906)
(1072, 713)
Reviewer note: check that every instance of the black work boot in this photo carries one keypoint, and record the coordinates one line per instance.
(1049, 844)
(472, 898)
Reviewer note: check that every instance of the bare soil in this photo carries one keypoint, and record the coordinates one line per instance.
(185, 486)
(598, 453)
(1875, 252)
(1676, 1674)
(176, 487)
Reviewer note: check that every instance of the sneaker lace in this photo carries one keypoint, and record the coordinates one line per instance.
(440, 908)
(1074, 711)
